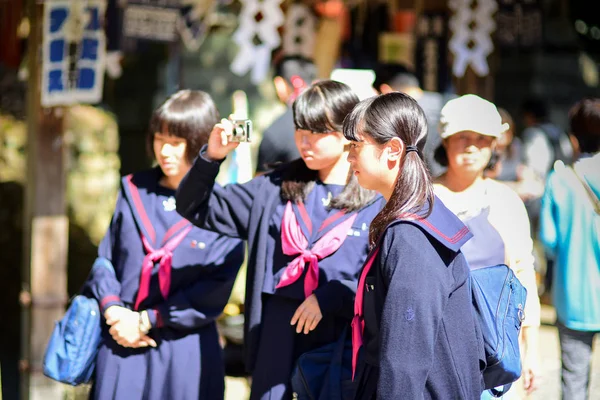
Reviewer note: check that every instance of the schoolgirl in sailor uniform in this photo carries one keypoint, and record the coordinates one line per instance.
(414, 336)
(172, 279)
(306, 224)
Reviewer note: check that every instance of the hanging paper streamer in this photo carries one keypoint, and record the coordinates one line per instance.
(257, 37)
(471, 45)
(74, 51)
(151, 20)
(431, 51)
(519, 23)
(299, 31)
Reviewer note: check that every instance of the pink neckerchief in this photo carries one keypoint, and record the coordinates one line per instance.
(293, 242)
(164, 256)
(358, 323)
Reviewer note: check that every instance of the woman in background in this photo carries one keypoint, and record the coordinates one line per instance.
(494, 213)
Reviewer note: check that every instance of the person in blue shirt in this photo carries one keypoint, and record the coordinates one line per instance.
(306, 224)
(570, 232)
(172, 279)
(414, 333)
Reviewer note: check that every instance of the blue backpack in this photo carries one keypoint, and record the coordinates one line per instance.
(499, 302)
(71, 352)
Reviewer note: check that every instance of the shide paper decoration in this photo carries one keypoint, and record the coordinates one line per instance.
(471, 40)
(299, 31)
(257, 37)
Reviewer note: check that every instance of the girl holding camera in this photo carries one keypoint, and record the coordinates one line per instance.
(306, 224)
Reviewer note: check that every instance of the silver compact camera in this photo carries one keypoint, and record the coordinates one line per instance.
(242, 130)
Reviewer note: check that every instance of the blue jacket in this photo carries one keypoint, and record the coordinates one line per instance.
(420, 338)
(570, 231)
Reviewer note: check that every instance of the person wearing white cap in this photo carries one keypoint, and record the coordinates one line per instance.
(494, 213)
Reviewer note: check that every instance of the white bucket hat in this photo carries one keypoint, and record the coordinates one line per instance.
(471, 113)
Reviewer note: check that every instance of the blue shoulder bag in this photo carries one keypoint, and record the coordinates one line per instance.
(325, 373)
(71, 352)
(499, 302)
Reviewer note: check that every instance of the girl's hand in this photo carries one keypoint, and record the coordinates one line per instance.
(308, 315)
(218, 142)
(126, 331)
(114, 313)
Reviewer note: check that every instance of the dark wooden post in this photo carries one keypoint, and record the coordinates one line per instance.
(44, 285)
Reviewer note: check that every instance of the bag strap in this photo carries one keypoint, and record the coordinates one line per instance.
(593, 198)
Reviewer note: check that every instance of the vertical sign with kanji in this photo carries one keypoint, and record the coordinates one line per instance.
(74, 52)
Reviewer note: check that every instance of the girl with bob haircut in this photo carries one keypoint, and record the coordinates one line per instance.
(306, 224)
(170, 281)
(413, 332)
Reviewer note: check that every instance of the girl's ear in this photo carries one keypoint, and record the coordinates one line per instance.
(394, 149)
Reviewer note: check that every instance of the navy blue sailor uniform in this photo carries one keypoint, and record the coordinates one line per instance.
(253, 211)
(183, 297)
(419, 339)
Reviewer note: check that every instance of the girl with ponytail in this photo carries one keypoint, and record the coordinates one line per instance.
(413, 332)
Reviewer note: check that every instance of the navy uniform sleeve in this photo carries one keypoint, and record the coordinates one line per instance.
(203, 301)
(225, 210)
(412, 311)
(102, 283)
(337, 297)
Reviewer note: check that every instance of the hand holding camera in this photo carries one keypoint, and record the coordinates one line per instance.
(226, 136)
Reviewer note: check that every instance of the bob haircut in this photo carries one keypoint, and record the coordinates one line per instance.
(321, 109)
(187, 114)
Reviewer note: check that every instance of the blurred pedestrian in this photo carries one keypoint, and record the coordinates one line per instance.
(293, 74)
(570, 231)
(470, 127)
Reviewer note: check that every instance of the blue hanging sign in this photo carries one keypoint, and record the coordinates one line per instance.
(74, 52)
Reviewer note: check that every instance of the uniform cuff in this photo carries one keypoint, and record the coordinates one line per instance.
(110, 300)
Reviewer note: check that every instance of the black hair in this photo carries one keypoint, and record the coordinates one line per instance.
(397, 76)
(321, 109)
(188, 114)
(584, 120)
(382, 118)
(296, 65)
(536, 107)
(441, 157)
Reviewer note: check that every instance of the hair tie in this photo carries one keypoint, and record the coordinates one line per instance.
(411, 148)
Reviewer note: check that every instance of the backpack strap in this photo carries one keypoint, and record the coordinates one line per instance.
(593, 198)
